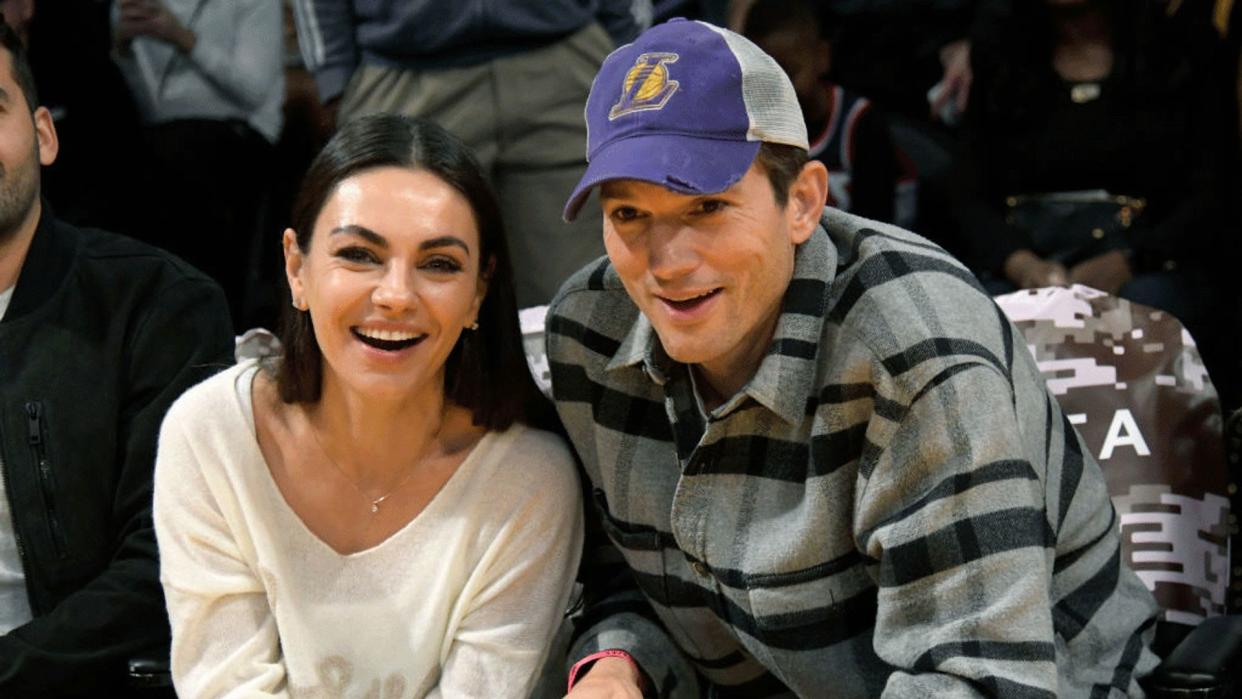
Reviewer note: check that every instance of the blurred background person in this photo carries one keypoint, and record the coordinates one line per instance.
(510, 78)
(1098, 152)
(207, 76)
(848, 134)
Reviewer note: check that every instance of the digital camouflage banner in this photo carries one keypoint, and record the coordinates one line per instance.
(1131, 380)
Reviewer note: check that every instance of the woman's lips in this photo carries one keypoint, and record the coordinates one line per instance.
(387, 345)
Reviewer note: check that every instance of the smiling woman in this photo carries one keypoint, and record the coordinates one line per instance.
(371, 513)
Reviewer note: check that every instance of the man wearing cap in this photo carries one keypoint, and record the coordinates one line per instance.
(824, 463)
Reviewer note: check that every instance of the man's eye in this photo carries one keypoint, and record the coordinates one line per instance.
(624, 214)
(711, 206)
(357, 254)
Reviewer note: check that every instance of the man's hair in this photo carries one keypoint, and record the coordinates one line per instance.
(783, 164)
(21, 64)
(767, 17)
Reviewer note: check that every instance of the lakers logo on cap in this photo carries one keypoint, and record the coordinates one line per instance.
(647, 85)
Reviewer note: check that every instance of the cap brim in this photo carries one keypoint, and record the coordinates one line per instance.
(681, 163)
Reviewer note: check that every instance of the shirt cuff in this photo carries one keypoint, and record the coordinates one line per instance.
(584, 664)
(332, 80)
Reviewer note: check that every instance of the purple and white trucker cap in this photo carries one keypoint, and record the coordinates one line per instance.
(685, 106)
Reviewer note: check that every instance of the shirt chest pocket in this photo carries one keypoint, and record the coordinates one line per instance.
(662, 574)
(807, 612)
(640, 545)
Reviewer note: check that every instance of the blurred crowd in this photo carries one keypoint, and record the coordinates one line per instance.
(1042, 142)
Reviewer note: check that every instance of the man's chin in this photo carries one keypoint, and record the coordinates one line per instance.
(682, 348)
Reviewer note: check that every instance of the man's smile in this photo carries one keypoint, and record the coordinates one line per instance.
(688, 304)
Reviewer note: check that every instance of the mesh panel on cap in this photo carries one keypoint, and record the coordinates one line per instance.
(770, 100)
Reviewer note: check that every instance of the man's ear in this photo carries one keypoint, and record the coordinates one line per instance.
(45, 135)
(807, 196)
(293, 267)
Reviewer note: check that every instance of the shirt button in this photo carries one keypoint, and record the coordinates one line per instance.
(700, 568)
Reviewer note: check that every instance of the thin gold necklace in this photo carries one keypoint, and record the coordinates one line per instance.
(375, 503)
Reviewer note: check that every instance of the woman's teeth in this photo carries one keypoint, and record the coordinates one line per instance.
(389, 340)
(387, 335)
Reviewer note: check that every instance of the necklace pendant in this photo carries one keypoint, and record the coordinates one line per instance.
(1083, 93)
(374, 507)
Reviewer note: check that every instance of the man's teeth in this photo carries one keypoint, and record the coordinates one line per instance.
(709, 292)
(387, 335)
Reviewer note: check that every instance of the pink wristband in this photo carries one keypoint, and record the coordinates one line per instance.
(610, 653)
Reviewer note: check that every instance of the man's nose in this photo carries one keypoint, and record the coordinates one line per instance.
(672, 252)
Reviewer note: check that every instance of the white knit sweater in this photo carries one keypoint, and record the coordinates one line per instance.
(462, 601)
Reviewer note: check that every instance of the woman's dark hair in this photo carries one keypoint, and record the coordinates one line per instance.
(486, 371)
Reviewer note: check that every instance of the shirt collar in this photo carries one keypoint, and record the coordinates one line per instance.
(781, 381)
(641, 345)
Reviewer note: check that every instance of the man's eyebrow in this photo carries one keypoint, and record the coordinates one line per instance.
(615, 190)
(362, 232)
(444, 241)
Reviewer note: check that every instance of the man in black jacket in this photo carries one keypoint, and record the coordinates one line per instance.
(98, 335)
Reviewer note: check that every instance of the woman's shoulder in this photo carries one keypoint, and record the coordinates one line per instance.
(535, 449)
(524, 459)
(523, 483)
(212, 400)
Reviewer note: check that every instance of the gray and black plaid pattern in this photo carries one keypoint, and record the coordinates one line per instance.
(893, 506)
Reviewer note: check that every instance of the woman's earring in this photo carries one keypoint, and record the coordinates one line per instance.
(299, 304)
(474, 325)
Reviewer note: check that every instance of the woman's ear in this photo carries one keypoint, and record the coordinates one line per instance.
(293, 268)
(807, 196)
(484, 281)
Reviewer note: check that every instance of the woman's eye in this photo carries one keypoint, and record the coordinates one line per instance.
(443, 264)
(356, 254)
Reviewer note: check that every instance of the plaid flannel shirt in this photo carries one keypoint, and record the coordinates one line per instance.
(893, 506)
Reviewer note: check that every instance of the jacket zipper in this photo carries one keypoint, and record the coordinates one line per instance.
(17, 538)
(36, 437)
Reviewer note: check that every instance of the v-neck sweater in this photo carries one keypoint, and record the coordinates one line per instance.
(461, 601)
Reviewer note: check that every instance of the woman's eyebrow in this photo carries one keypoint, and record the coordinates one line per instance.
(362, 232)
(444, 241)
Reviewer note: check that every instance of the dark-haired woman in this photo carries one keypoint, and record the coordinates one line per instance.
(1082, 95)
(369, 515)
(1075, 99)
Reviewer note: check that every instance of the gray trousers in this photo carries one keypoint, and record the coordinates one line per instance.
(522, 116)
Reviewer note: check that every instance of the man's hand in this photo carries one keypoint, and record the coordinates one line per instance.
(608, 678)
(152, 19)
(1107, 272)
(1030, 271)
(955, 84)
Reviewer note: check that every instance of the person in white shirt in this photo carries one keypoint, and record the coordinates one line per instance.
(207, 77)
(371, 514)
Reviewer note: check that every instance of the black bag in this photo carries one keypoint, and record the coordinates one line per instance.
(1069, 227)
